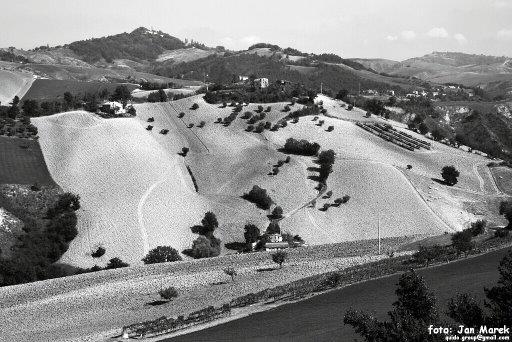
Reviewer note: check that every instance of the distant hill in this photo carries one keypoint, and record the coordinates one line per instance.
(377, 64)
(488, 72)
(138, 45)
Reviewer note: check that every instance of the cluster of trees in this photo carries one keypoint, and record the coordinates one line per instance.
(89, 102)
(206, 245)
(325, 160)
(301, 147)
(258, 196)
(157, 96)
(415, 310)
(45, 240)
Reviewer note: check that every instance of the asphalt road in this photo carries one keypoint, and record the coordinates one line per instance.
(320, 318)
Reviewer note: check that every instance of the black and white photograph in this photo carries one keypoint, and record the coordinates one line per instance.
(255, 171)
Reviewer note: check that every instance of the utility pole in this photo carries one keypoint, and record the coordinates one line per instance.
(378, 231)
(321, 88)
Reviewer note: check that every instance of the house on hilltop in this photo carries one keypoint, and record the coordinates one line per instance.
(275, 243)
(261, 83)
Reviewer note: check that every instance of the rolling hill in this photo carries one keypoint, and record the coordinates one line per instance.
(226, 162)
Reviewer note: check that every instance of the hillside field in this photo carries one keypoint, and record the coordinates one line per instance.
(137, 192)
(13, 83)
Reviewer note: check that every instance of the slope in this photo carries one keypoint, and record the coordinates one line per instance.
(135, 195)
(13, 83)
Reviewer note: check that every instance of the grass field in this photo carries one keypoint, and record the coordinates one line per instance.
(43, 89)
(227, 161)
(503, 177)
(22, 162)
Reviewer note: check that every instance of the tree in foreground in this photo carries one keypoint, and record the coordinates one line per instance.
(412, 313)
(168, 293)
(450, 174)
(230, 271)
(464, 309)
(279, 258)
(161, 254)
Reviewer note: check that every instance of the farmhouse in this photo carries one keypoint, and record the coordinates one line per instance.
(261, 82)
(112, 107)
(276, 243)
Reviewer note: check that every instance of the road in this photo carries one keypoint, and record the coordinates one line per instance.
(320, 318)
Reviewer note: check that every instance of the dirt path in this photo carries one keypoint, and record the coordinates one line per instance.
(140, 214)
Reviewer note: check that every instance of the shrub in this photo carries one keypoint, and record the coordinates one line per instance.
(203, 247)
(194, 106)
(301, 147)
(267, 125)
(425, 254)
(149, 127)
(246, 115)
(259, 197)
(320, 123)
(325, 207)
(275, 171)
(184, 151)
(409, 167)
(345, 199)
(260, 108)
(116, 263)
(168, 293)
(201, 124)
(208, 225)
(161, 254)
(350, 107)
(330, 128)
(99, 252)
(230, 271)
(287, 160)
(501, 233)
(286, 108)
(268, 109)
(328, 194)
(279, 258)
(461, 241)
(478, 227)
(250, 128)
(181, 115)
(151, 119)
(219, 120)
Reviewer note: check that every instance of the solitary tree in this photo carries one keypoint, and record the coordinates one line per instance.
(277, 212)
(462, 242)
(252, 233)
(161, 254)
(230, 271)
(279, 258)
(450, 174)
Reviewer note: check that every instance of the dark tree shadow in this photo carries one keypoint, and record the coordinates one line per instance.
(235, 246)
(313, 169)
(157, 302)
(267, 269)
(219, 283)
(440, 181)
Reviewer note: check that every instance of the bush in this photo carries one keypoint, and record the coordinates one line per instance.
(203, 247)
(301, 147)
(268, 109)
(184, 151)
(201, 124)
(194, 106)
(99, 252)
(330, 128)
(246, 115)
(259, 197)
(116, 263)
(425, 255)
(501, 233)
(287, 160)
(250, 128)
(279, 258)
(168, 293)
(161, 254)
(181, 115)
(461, 241)
(478, 227)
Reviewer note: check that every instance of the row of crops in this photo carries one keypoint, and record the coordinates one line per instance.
(387, 132)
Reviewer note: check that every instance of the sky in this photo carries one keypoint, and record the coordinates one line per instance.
(392, 29)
